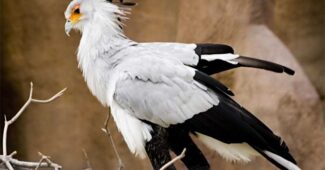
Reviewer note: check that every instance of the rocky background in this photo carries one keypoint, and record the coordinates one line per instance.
(34, 47)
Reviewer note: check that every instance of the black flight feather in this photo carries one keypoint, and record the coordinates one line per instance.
(213, 49)
(212, 83)
(231, 123)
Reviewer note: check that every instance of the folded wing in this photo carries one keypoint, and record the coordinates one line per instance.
(162, 91)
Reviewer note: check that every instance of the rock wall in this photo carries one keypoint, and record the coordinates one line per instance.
(301, 26)
(35, 48)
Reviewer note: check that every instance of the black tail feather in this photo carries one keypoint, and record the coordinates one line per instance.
(262, 64)
(216, 66)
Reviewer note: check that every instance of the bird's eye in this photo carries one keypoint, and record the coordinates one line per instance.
(77, 11)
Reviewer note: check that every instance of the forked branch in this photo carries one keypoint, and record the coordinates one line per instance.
(8, 160)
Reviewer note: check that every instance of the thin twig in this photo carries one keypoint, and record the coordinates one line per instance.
(46, 159)
(182, 155)
(8, 158)
(107, 131)
(12, 154)
(87, 159)
(8, 165)
(27, 164)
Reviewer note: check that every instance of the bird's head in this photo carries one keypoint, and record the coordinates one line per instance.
(82, 13)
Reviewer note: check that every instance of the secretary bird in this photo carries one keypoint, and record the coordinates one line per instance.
(154, 86)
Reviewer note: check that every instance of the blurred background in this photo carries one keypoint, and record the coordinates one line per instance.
(34, 48)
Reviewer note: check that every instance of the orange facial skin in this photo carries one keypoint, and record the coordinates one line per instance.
(75, 14)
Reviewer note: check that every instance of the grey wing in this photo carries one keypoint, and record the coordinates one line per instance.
(165, 99)
(183, 52)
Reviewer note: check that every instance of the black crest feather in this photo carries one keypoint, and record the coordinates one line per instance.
(124, 3)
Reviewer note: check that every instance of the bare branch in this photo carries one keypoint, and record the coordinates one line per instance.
(26, 164)
(4, 137)
(105, 128)
(107, 131)
(182, 155)
(60, 93)
(8, 165)
(87, 159)
(44, 158)
(12, 154)
(22, 109)
(7, 159)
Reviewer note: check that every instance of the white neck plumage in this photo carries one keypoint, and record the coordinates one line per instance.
(102, 34)
(102, 38)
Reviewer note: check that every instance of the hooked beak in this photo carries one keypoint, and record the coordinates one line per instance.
(68, 26)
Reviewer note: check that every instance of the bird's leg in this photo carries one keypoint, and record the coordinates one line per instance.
(158, 149)
(179, 139)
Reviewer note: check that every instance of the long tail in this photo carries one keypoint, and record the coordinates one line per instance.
(257, 63)
(216, 63)
(215, 58)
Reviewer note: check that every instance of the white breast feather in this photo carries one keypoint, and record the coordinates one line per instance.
(135, 132)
